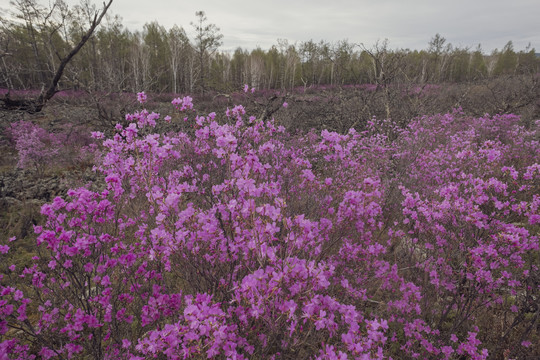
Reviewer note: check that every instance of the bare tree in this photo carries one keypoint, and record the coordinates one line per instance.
(207, 41)
(178, 44)
(36, 105)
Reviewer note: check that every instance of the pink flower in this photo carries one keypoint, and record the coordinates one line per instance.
(183, 104)
(227, 141)
(98, 135)
(141, 97)
(88, 267)
(106, 281)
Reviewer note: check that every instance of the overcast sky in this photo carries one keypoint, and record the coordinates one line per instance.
(405, 23)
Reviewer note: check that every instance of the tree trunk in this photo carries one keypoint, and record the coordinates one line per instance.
(34, 106)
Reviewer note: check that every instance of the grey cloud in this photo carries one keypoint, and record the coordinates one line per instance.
(407, 24)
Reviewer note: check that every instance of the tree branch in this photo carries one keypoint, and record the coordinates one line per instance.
(33, 106)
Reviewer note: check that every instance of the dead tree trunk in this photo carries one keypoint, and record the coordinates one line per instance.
(34, 106)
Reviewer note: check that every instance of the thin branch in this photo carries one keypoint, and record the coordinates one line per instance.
(33, 106)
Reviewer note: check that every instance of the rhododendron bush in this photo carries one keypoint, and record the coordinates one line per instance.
(239, 240)
(39, 149)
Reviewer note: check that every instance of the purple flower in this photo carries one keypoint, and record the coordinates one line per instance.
(141, 97)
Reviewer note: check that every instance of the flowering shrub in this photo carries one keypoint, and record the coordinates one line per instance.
(35, 146)
(243, 241)
(39, 149)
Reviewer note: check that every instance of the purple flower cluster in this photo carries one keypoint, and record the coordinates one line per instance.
(39, 149)
(243, 241)
(36, 147)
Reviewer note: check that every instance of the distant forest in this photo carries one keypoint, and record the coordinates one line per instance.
(34, 39)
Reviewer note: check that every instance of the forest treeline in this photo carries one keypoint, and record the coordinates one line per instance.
(34, 39)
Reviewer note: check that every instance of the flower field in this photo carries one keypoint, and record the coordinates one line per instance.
(238, 239)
